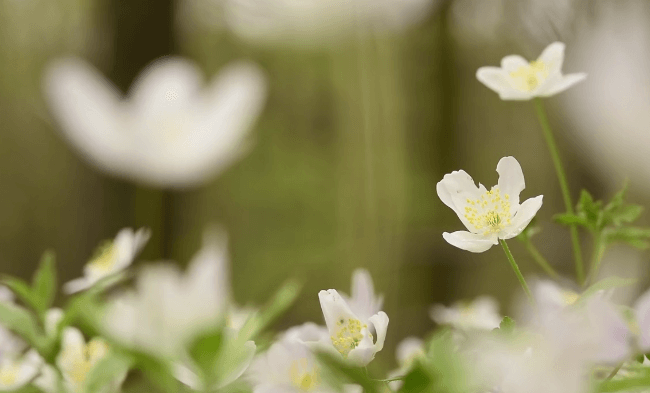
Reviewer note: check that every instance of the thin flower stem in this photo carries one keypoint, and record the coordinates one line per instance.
(561, 175)
(539, 258)
(614, 372)
(511, 259)
(596, 257)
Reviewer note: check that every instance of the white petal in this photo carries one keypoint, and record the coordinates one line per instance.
(562, 83)
(494, 78)
(525, 214)
(642, 310)
(235, 366)
(408, 348)
(77, 285)
(511, 180)
(513, 63)
(89, 111)
(334, 308)
(611, 334)
(380, 322)
(72, 348)
(515, 95)
(53, 317)
(470, 241)
(363, 302)
(454, 189)
(553, 57)
(186, 376)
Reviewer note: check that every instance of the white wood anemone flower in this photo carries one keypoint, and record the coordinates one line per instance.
(169, 131)
(111, 257)
(517, 79)
(352, 335)
(481, 314)
(17, 370)
(488, 215)
(169, 308)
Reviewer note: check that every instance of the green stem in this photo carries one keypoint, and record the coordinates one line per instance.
(614, 372)
(596, 257)
(511, 259)
(539, 258)
(561, 175)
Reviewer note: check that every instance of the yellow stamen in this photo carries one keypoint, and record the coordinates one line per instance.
(492, 213)
(304, 377)
(527, 78)
(348, 335)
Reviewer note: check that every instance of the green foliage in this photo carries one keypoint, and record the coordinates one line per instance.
(40, 295)
(340, 373)
(205, 350)
(603, 285)
(507, 326)
(106, 370)
(22, 322)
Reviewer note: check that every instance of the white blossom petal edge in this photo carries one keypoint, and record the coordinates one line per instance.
(517, 79)
(488, 215)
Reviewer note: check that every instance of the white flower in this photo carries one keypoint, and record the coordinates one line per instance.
(350, 333)
(407, 352)
(488, 215)
(168, 132)
(517, 79)
(481, 314)
(16, 370)
(77, 358)
(364, 302)
(110, 258)
(642, 327)
(168, 308)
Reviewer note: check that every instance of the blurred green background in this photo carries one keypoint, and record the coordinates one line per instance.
(353, 139)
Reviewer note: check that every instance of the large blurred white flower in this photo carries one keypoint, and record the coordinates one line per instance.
(488, 215)
(168, 308)
(111, 257)
(481, 314)
(169, 131)
(350, 333)
(517, 79)
(315, 22)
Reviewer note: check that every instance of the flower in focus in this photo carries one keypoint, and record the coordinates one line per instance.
(481, 314)
(407, 352)
(168, 132)
(168, 308)
(351, 334)
(488, 215)
(111, 257)
(77, 358)
(517, 79)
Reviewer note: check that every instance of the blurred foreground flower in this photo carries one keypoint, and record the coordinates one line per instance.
(110, 258)
(517, 79)
(488, 215)
(408, 351)
(168, 132)
(481, 314)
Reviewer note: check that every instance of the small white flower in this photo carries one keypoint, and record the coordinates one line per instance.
(488, 215)
(168, 308)
(517, 79)
(407, 352)
(350, 333)
(364, 302)
(111, 257)
(77, 358)
(168, 132)
(481, 314)
(16, 370)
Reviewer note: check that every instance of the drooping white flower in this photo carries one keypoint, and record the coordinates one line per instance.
(407, 352)
(111, 257)
(481, 314)
(351, 334)
(169, 131)
(77, 358)
(517, 79)
(488, 215)
(168, 307)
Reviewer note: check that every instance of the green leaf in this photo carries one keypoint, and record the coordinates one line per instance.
(157, 371)
(44, 282)
(205, 350)
(634, 236)
(22, 290)
(626, 214)
(618, 199)
(570, 219)
(417, 380)
(22, 322)
(109, 369)
(605, 284)
(342, 373)
(507, 325)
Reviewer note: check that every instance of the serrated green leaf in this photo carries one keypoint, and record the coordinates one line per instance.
(603, 285)
(634, 236)
(618, 199)
(110, 369)
(44, 282)
(507, 325)
(21, 289)
(625, 214)
(570, 219)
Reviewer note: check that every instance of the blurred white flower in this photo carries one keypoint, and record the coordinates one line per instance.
(16, 370)
(316, 337)
(642, 327)
(364, 302)
(168, 132)
(110, 257)
(488, 215)
(350, 333)
(77, 358)
(168, 308)
(481, 314)
(517, 79)
(317, 22)
(407, 352)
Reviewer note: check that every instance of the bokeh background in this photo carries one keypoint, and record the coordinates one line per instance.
(356, 132)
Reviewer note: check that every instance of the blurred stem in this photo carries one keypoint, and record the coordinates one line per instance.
(515, 267)
(561, 175)
(596, 257)
(614, 371)
(539, 258)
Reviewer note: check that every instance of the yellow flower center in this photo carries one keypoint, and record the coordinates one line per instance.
(490, 213)
(348, 335)
(304, 377)
(105, 257)
(8, 374)
(528, 78)
(569, 297)
(91, 354)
